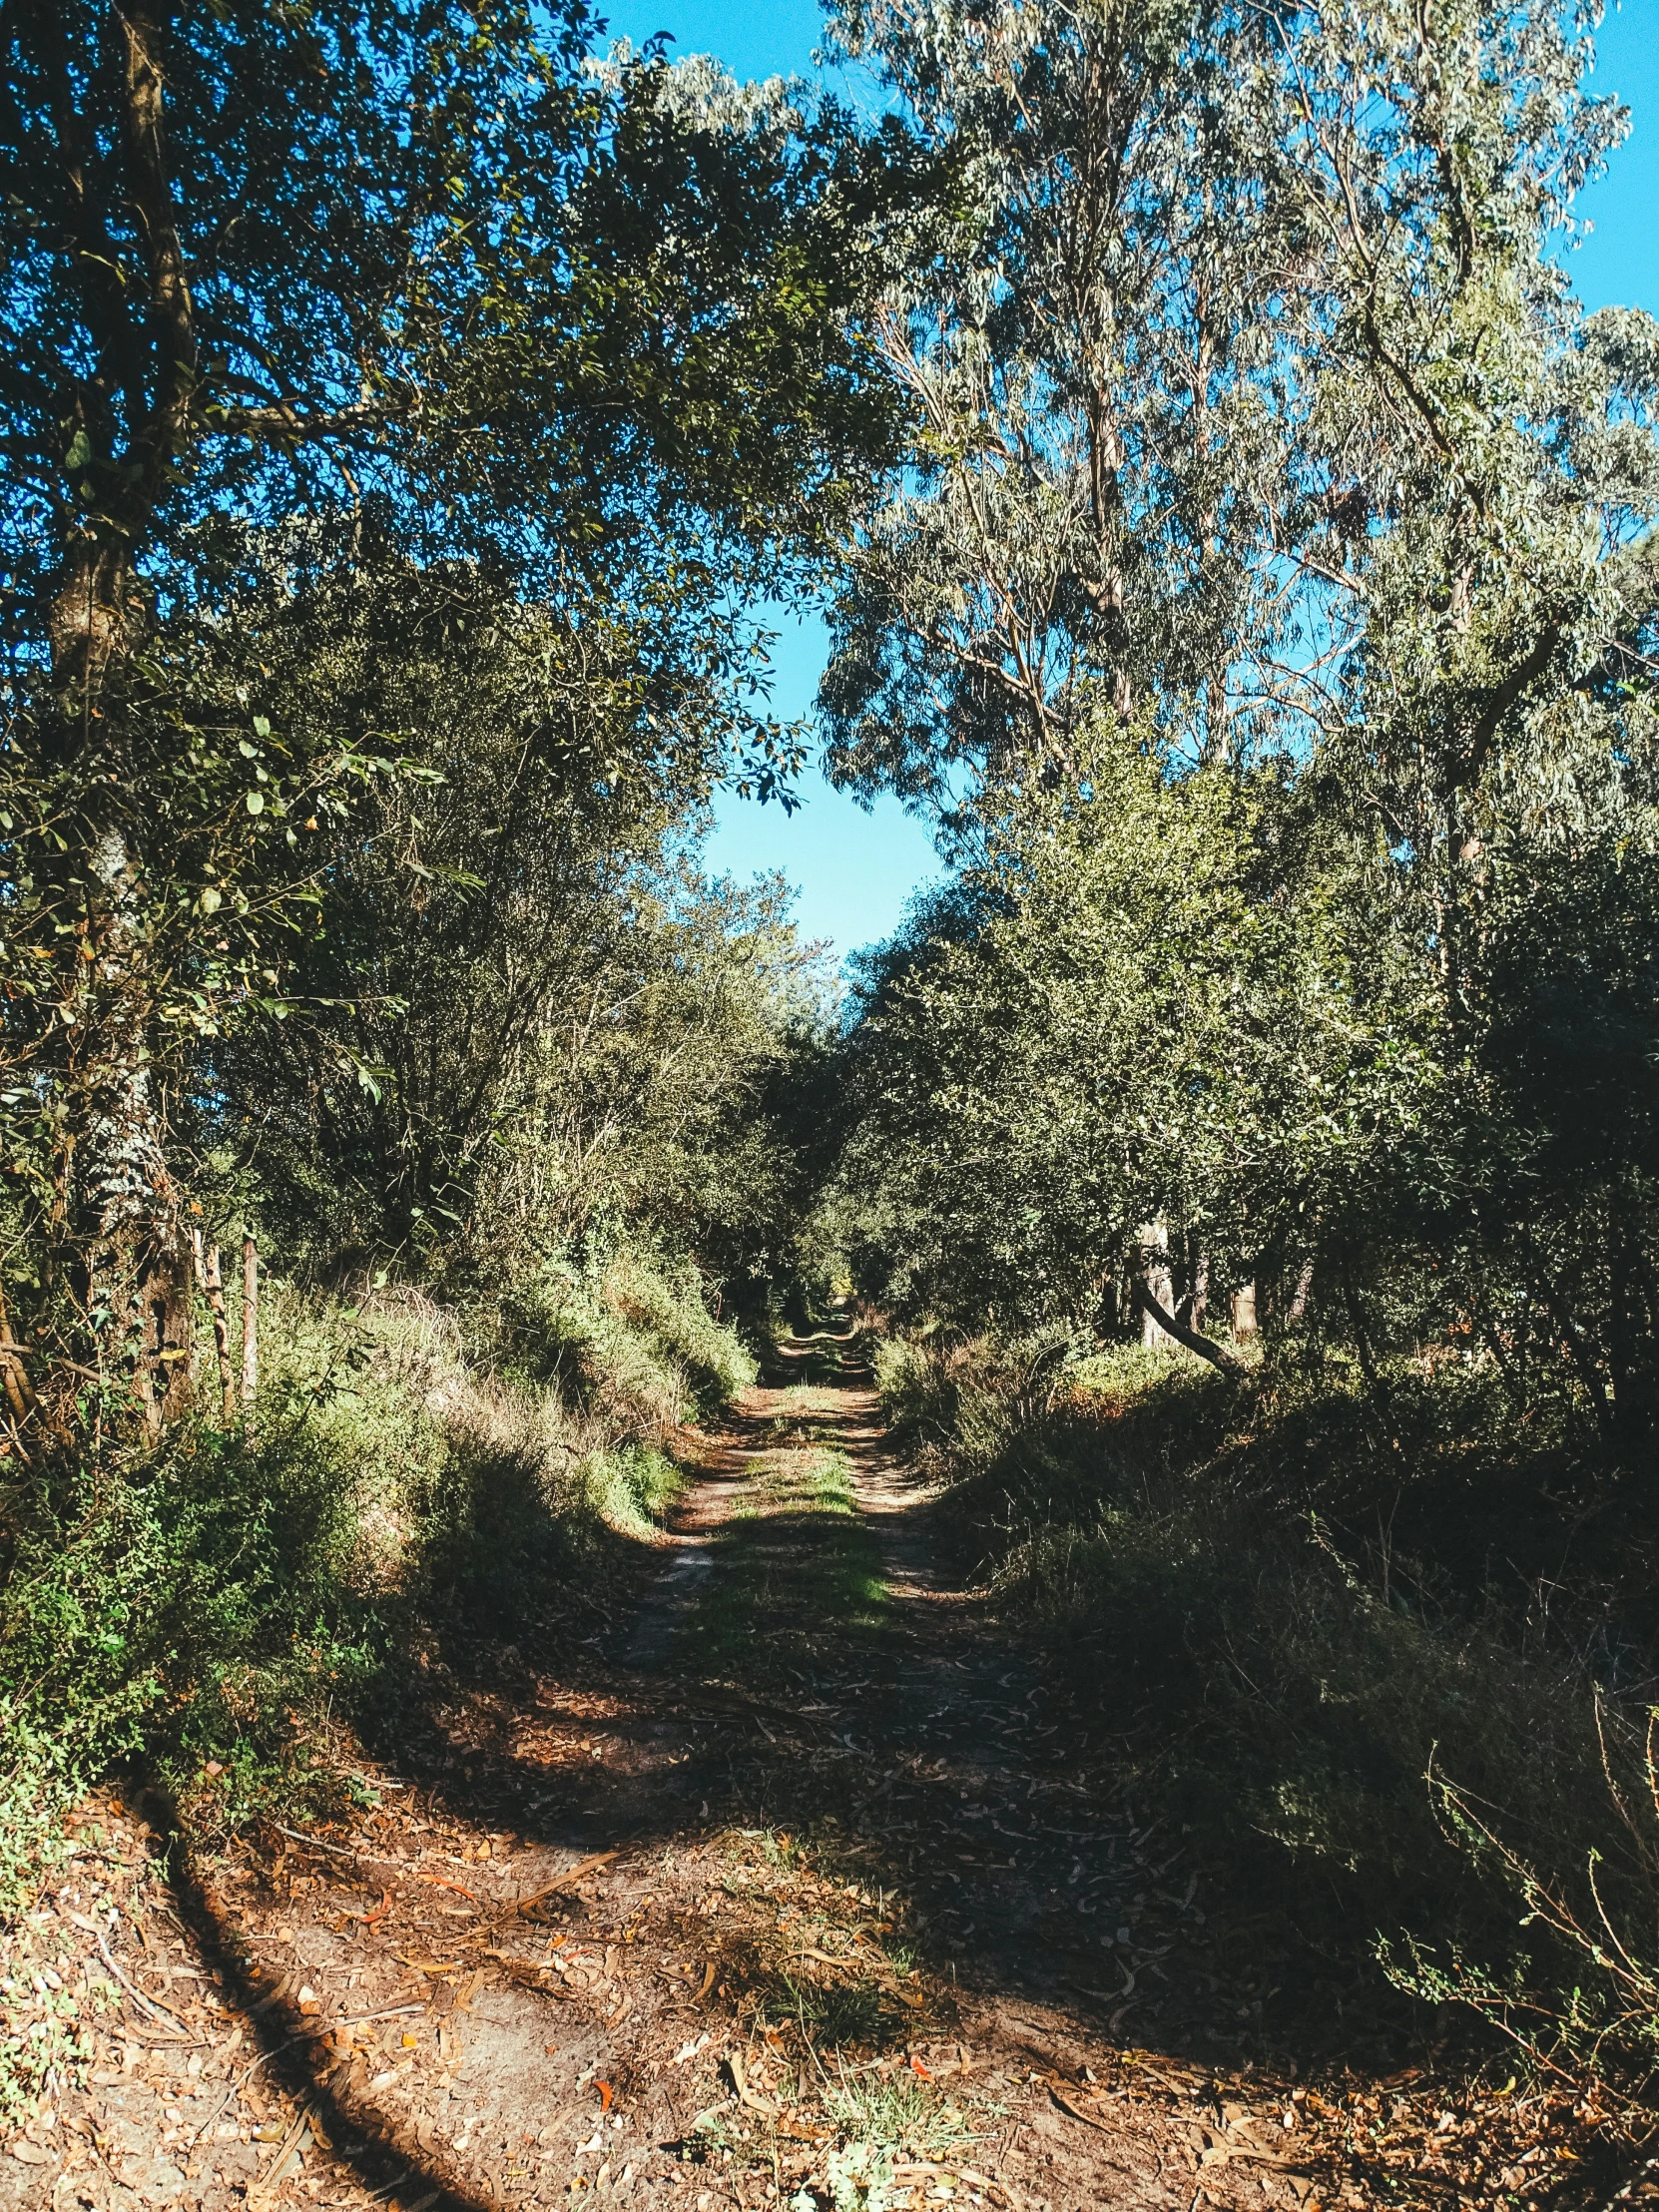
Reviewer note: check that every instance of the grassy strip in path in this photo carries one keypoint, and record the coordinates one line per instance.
(798, 1568)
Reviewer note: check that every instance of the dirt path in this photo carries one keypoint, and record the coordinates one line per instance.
(796, 1891)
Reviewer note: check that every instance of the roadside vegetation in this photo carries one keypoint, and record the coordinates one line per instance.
(1236, 541)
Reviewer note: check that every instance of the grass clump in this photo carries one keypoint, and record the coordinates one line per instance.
(893, 2111)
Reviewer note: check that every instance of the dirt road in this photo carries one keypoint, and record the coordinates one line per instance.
(797, 1887)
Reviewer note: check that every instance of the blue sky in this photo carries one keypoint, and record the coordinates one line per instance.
(857, 871)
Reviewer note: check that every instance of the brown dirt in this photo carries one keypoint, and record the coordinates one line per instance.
(662, 1923)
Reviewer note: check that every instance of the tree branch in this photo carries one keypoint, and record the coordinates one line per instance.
(1205, 1346)
(281, 424)
(1485, 729)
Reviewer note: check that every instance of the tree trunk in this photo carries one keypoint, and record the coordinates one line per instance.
(124, 1214)
(1195, 1307)
(95, 618)
(1171, 1330)
(119, 1224)
(1243, 1308)
(1155, 1284)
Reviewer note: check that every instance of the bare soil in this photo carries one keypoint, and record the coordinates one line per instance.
(807, 1883)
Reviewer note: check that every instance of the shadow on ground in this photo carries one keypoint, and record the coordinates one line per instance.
(818, 1804)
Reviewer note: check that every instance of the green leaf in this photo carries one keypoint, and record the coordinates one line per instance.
(255, 803)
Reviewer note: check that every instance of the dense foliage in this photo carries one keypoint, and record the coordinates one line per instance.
(1265, 615)
(405, 414)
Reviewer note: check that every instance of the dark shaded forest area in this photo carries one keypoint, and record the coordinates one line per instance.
(1239, 1176)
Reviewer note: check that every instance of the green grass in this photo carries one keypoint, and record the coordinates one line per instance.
(632, 1487)
(797, 1564)
(894, 2113)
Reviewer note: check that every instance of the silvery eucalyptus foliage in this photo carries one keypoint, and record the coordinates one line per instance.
(1102, 344)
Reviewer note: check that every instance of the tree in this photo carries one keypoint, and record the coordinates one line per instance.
(517, 1004)
(1432, 678)
(568, 324)
(1153, 1000)
(1241, 304)
(1100, 354)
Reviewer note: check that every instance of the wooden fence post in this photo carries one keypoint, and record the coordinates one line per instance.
(214, 1284)
(250, 1326)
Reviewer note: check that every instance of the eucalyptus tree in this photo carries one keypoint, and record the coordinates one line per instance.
(1436, 609)
(1487, 707)
(1098, 341)
(271, 263)
(1236, 313)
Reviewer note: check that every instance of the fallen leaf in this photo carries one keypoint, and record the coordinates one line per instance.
(442, 1882)
(1067, 2104)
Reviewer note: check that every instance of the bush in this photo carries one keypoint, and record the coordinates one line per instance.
(634, 1343)
(182, 1604)
(226, 1599)
(667, 1307)
(1303, 1638)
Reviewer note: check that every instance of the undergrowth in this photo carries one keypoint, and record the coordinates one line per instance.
(224, 1606)
(1412, 1667)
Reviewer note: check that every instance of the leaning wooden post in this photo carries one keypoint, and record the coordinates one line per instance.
(20, 1395)
(250, 1326)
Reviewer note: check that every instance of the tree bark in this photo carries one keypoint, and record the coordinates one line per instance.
(124, 1207)
(1155, 1282)
(121, 1215)
(1195, 1307)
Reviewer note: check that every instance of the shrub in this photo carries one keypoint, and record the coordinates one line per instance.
(633, 1344)
(221, 1600)
(1301, 1634)
(667, 1307)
